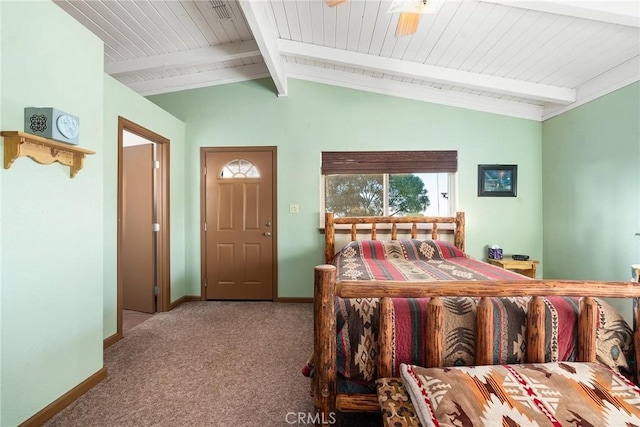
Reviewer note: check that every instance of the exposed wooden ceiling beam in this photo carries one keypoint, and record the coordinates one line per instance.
(206, 55)
(264, 32)
(412, 91)
(612, 11)
(198, 80)
(558, 95)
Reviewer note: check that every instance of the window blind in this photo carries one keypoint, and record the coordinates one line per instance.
(374, 162)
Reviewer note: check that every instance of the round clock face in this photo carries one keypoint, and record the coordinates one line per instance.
(68, 126)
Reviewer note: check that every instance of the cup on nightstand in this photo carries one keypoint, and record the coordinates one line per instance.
(495, 252)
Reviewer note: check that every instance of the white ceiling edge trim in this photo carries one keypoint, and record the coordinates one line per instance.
(198, 80)
(511, 87)
(415, 92)
(609, 11)
(206, 55)
(263, 27)
(619, 77)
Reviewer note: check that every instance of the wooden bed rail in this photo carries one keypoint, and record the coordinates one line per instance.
(330, 222)
(485, 288)
(326, 398)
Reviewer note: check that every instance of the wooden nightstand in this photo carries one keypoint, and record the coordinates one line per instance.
(526, 268)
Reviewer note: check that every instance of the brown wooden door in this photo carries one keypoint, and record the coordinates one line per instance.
(138, 246)
(239, 223)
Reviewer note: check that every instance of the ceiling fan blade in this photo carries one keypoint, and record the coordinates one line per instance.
(407, 24)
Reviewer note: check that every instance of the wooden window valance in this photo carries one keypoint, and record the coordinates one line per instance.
(373, 162)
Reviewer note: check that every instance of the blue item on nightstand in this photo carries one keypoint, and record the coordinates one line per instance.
(495, 252)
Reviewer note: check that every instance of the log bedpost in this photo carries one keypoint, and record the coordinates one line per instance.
(636, 337)
(385, 339)
(329, 237)
(535, 331)
(587, 330)
(434, 231)
(458, 237)
(484, 332)
(433, 341)
(635, 276)
(324, 325)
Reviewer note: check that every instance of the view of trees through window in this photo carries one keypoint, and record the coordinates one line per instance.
(424, 194)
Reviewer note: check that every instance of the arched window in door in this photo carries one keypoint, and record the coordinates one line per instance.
(239, 168)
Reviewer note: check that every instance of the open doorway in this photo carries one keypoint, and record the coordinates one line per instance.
(143, 222)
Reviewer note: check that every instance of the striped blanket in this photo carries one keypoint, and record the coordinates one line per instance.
(425, 260)
(432, 260)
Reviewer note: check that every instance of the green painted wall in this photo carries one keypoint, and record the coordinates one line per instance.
(315, 118)
(122, 101)
(591, 187)
(52, 226)
(58, 246)
(1, 127)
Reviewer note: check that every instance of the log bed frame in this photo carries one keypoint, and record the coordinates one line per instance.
(324, 386)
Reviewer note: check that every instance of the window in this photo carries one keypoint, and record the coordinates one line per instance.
(389, 183)
(239, 168)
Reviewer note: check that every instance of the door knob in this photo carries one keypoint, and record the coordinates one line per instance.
(267, 233)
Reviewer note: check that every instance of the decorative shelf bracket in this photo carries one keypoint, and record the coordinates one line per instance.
(43, 150)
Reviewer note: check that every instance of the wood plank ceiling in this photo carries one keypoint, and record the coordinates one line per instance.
(532, 59)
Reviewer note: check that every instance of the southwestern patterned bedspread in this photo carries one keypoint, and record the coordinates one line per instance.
(432, 260)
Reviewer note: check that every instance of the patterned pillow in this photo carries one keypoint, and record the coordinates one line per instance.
(423, 250)
(427, 250)
(614, 339)
(557, 393)
(397, 409)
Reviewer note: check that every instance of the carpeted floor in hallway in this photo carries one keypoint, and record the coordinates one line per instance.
(204, 364)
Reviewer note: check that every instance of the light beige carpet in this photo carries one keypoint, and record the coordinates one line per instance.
(204, 364)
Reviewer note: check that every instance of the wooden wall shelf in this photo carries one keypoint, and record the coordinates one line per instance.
(43, 150)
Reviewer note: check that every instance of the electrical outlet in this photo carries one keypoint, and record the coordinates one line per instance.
(294, 208)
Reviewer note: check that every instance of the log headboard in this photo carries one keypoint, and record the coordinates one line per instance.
(432, 221)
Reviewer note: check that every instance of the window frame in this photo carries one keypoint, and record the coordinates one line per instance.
(395, 162)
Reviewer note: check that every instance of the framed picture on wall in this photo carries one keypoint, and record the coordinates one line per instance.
(497, 180)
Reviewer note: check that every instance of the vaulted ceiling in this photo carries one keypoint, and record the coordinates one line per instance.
(530, 59)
